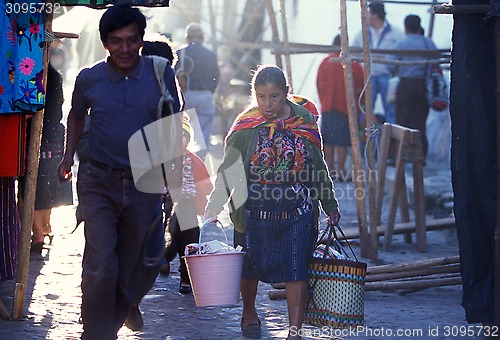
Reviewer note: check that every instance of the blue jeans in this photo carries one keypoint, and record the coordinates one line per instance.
(380, 85)
(117, 219)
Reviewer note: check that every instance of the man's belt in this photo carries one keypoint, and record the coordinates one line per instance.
(123, 172)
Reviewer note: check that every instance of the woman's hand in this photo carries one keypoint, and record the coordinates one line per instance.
(333, 217)
(210, 215)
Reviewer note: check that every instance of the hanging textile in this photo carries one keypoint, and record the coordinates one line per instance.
(13, 144)
(104, 3)
(21, 55)
(10, 228)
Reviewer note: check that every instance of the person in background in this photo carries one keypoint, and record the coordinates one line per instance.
(198, 72)
(196, 185)
(334, 123)
(284, 176)
(50, 192)
(122, 94)
(382, 35)
(161, 47)
(412, 107)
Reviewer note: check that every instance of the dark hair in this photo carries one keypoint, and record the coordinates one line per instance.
(160, 48)
(120, 16)
(270, 74)
(412, 23)
(378, 9)
(194, 32)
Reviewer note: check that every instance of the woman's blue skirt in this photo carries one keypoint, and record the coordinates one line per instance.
(280, 233)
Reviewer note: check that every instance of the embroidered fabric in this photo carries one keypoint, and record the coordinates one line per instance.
(21, 59)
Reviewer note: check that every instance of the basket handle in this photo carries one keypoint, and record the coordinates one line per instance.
(218, 224)
(332, 237)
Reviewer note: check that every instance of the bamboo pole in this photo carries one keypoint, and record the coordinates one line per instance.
(398, 62)
(417, 284)
(421, 278)
(452, 268)
(274, 29)
(353, 127)
(62, 35)
(448, 8)
(30, 188)
(431, 21)
(301, 48)
(373, 241)
(392, 268)
(284, 28)
(403, 228)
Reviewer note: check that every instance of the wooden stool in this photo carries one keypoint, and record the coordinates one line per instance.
(406, 145)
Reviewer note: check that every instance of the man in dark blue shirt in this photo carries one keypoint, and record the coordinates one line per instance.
(122, 94)
(198, 72)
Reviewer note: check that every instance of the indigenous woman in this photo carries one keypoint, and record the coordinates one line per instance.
(276, 178)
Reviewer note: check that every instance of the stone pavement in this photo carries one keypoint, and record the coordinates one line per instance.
(53, 294)
(53, 300)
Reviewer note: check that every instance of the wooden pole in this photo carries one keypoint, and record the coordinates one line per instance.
(431, 21)
(353, 127)
(392, 268)
(414, 285)
(285, 40)
(371, 143)
(448, 8)
(417, 284)
(274, 29)
(453, 268)
(30, 188)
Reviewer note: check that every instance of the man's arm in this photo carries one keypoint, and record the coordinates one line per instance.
(74, 131)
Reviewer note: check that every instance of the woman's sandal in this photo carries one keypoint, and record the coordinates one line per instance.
(252, 330)
(36, 248)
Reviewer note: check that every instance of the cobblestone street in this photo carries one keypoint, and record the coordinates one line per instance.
(53, 296)
(53, 300)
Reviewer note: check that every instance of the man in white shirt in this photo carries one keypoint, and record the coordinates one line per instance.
(382, 35)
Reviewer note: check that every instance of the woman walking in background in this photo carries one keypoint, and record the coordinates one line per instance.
(50, 192)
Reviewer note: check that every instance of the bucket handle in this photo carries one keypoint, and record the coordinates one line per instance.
(218, 224)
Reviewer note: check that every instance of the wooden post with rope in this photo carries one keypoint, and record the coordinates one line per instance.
(353, 128)
(30, 188)
(371, 142)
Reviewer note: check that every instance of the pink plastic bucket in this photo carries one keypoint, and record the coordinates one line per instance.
(215, 278)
